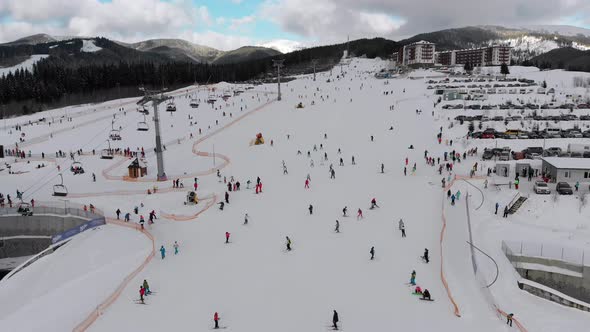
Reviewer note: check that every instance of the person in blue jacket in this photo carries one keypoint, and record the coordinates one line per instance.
(163, 252)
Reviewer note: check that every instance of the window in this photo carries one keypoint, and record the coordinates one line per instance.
(585, 175)
(567, 174)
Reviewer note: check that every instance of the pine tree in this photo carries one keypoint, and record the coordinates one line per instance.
(504, 69)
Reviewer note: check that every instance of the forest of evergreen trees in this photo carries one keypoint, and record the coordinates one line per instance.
(62, 73)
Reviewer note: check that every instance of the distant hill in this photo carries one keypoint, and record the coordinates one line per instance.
(563, 58)
(177, 49)
(244, 54)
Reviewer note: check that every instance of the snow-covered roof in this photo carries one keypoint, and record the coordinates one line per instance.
(568, 163)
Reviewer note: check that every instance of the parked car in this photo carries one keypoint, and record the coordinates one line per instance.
(541, 188)
(553, 151)
(563, 188)
(487, 154)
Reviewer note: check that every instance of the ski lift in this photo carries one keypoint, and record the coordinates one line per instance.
(77, 168)
(194, 103)
(226, 95)
(25, 209)
(107, 153)
(211, 99)
(171, 107)
(115, 134)
(60, 189)
(143, 125)
(143, 110)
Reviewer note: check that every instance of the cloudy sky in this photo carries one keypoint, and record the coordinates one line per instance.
(228, 24)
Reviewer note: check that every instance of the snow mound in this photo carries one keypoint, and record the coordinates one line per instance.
(88, 46)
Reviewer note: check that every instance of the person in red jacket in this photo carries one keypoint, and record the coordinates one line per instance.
(307, 184)
(141, 294)
(216, 319)
(359, 214)
(226, 237)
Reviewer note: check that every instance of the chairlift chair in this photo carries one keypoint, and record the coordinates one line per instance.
(143, 125)
(107, 153)
(211, 99)
(25, 209)
(194, 103)
(60, 189)
(171, 107)
(77, 168)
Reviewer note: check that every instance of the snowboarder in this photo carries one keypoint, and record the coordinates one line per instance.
(216, 320)
(175, 247)
(337, 229)
(146, 287)
(425, 257)
(344, 211)
(226, 237)
(221, 205)
(310, 209)
(163, 252)
(372, 252)
(359, 214)
(413, 278)
(335, 320)
(426, 295)
(509, 318)
(288, 243)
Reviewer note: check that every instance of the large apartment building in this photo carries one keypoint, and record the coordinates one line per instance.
(484, 56)
(416, 54)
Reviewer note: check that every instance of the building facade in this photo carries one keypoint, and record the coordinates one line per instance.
(566, 169)
(494, 55)
(417, 54)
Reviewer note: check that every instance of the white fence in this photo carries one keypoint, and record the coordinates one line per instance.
(544, 250)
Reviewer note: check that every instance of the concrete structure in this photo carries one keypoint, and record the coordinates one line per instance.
(484, 56)
(418, 54)
(566, 169)
(565, 277)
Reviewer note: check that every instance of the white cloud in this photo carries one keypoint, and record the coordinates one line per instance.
(283, 45)
(238, 22)
(220, 41)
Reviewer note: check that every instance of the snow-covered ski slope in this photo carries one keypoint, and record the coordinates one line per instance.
(253, 282)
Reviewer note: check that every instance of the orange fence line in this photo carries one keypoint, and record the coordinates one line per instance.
(443, 279)
(519, 325)
(93, 316)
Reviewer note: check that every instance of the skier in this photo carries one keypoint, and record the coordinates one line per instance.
(216, 320)
(246, 219)
(163, 252)
(509, 318)
(372, 252)
(310, 209)
(425, 257)
(226, 197)
(118, 212)
(359, 214)
(353, 161)
(141, 221)
(146, 287)
(497, 206)
(332, 174)
(344, 211)
(405, 171)
(402, 227)
(127, 216)
(341, 161)
(458, 194)
(413, 278)
(374, 203)
(288, 243)
(306, 184)
(141, 293)
(175, 247)
(453, 199)
(505, 212)
(337, 229)
(226, 237)
(426, 295)
(382, 168)
(221, 205)
(335, 320)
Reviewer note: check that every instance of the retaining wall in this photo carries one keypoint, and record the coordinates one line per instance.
(47, 225)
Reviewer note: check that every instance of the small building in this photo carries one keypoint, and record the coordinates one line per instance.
(558, 169)
(137, 168)
(502, 169)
